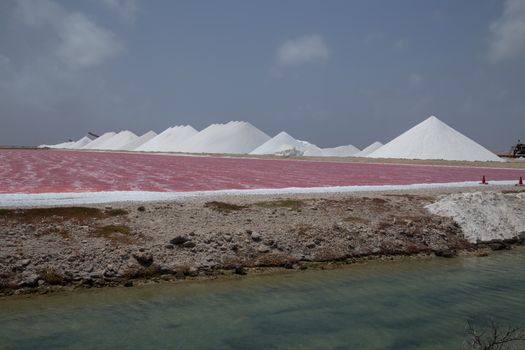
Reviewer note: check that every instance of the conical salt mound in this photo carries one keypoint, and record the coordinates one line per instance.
(369, 149)
(130, 146)
(114, 143)
(341, 151)
(284, 143)
(153, 144)
(169, 139)
(99, 140)
(80, 143)
(433, 139)
(234, 137)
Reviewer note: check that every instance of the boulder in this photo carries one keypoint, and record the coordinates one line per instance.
(179, 240)
(446, 253)
(144, 259)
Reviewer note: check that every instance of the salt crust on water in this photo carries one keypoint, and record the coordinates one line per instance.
(284, 142)
(369, 149)
(341, 151)
(235, 137)
(433, 139)
(118, 140)
(169, 139)
(484, 216)
(99, 140)
(130, 146)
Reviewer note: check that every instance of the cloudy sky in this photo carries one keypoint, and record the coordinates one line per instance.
(330, 72)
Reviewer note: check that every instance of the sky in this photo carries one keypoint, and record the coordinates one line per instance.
(329, 72)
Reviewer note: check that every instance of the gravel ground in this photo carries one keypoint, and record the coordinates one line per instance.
(48, 248)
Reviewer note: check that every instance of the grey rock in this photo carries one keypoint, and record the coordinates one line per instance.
(188, 244)
(179, 240)
(145, 259)
(239, 270)
(446, 253)
(311, 244)
(263, 249)
(255, 236)
(109, 273)
(31, 280)
(24, 262)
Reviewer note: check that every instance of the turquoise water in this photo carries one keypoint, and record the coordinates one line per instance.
(419, 304)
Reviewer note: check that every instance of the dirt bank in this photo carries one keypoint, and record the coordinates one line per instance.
(46, 248)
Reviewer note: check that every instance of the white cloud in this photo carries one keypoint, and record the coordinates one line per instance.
(126, 9)
(507, 39)
(82, 42)
(307, 49)
(85, 44)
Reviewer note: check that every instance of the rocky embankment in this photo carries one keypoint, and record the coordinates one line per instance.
(48, 248)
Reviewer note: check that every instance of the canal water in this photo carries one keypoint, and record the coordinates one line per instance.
(412, 304)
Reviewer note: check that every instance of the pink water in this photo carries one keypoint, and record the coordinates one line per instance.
(40, 171)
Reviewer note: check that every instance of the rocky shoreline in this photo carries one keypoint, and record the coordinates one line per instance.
(49, 249)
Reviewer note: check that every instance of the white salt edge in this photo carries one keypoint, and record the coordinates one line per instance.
(70, 198)
(484, 216)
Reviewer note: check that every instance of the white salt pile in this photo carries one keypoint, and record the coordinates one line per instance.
(433, 139)
(484, 216)
(99, 140)
(341, 151)
(130, 146)
(152, 145)
(369, 149)
(80, 143)
(234, 137)
(117, 141)
(58, 145)
(285, 144)
(169, 139)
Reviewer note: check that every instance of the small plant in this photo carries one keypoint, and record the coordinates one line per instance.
(52, 277)
(493, 337)
(142, 272)
(39, 214)
(116, 212)
(109, 229)
(116, 233)
(292, 204)
(272, 259)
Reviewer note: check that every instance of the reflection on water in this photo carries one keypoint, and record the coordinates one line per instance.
(402, 305)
